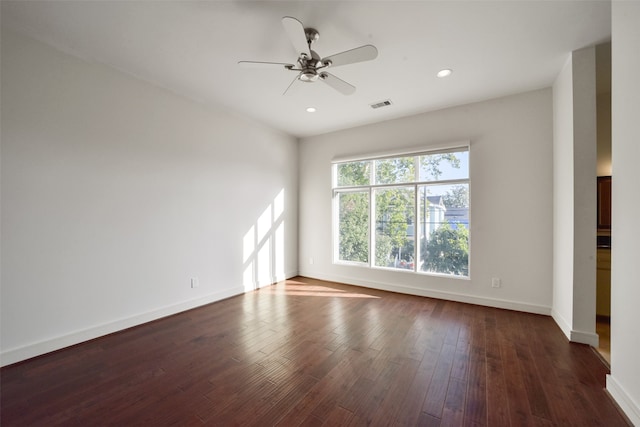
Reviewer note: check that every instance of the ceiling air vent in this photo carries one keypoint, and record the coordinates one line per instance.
(381, 104)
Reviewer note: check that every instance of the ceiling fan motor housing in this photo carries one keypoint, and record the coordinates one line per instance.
(309, 66)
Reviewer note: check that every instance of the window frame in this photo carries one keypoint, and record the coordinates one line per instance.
(414, 185)
(336, 233)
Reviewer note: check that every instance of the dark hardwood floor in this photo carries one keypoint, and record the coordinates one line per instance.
(312, 353)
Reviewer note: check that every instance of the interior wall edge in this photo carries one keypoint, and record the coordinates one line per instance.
(574, 335)
(275, 279)
(630, 408)
(562, 323)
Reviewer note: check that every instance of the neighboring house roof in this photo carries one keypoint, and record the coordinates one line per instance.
(436, 200)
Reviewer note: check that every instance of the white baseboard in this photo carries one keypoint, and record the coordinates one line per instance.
(582, 337)
(14, 355)
(275, 279)
(630, 408)
(288, 275)
(589, 338)
(562, 323)
(450, 296)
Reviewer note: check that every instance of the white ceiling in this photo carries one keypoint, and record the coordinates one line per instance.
(192, 48)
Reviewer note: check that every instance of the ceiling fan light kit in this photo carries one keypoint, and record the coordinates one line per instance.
(310, 66)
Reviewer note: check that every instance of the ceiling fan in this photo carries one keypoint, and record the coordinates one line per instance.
(309, 65)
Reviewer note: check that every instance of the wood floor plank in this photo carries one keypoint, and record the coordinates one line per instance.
(326, 391)
(453, 411)
(338, 417)
(386, 412)
(310, 352)
(426, 420)
(519, 409)
(497, 397)
(538, 401)
(286, 397)
(365, 412)
(411, 406)
(434, 402)
(476, 403)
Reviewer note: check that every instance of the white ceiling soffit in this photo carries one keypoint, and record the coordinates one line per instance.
(192, 48)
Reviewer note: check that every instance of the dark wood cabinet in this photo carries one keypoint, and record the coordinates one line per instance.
(604, 202)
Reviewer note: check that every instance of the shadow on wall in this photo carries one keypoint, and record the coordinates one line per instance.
(263, 247)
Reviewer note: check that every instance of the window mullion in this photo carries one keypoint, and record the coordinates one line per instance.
(416, 211)
(372, 212)
(432, 183)
(416, 228)
(372, 222)
(372, 172)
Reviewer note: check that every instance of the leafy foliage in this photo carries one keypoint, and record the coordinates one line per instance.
(354, 227)
(457, 197)
(383, 249)
(395, 171)
(353, 173)
(394, 212)
(447, 251)
(430, 165)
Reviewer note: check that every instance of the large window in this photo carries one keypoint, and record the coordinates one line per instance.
(407, 212)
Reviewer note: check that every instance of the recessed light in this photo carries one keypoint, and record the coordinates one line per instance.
(311, 110)
(444, 73)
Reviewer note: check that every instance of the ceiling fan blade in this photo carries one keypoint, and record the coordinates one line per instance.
(338, 84)
(259, 64)
(295, 32)
(292, 84)
(359, 54)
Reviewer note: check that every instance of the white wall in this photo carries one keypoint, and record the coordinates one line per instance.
(574, 171)
(624, 382)
(116, 192)
(585, 196)
(511, 196)
(563, 206)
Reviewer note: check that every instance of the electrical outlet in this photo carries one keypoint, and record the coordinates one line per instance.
(195, 282)
(311, 261)
(496, 282)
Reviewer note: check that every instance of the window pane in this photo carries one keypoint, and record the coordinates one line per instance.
(444, 166)
(395, 219)
(444, 228)
(353, 228)
(395, 171)
(354, 173)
